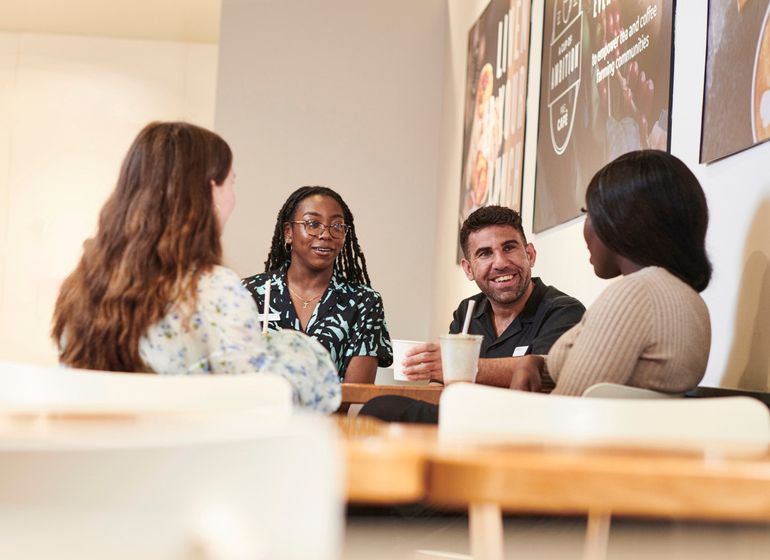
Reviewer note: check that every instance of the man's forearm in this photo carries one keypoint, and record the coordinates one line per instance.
(497, 372)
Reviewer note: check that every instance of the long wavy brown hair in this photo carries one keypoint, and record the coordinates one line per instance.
(157, 234)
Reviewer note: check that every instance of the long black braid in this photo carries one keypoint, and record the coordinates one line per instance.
(350, 262)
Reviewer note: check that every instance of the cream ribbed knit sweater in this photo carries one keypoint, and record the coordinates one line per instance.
(648, 329)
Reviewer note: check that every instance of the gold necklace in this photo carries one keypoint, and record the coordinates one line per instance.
(305, 302)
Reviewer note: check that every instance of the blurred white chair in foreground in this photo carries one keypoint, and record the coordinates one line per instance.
(617, 391)
(476, 414)
(480, 414)
(38, 389)
(171, 489)
(100, 465)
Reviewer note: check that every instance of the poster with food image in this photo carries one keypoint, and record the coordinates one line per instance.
(495, 108)
(736, 97)
(605, 89)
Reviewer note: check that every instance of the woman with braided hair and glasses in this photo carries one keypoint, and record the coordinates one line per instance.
(319, 283)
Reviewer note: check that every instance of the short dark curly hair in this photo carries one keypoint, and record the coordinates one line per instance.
(487, 216)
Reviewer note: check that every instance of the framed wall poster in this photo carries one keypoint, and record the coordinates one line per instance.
(495, 108)
(736, 96)
(605, 89)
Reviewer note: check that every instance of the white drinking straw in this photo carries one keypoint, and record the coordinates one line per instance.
(267, 307)
(468, 314)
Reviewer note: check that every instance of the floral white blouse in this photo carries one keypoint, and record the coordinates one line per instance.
(222, 335)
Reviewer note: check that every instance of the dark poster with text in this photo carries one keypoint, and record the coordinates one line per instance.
(495, 107)
(605, 90)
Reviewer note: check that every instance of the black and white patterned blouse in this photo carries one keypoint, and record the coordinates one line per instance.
(349, 321)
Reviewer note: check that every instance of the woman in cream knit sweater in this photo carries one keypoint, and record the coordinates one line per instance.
(646, 221)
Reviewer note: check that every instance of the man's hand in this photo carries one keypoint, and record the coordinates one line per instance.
(423, 362)
(526, 373)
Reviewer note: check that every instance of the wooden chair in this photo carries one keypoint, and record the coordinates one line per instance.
(478, 415)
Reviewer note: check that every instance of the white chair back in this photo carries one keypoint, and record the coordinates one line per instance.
(171, 487)
(37, 389)
(480, 414)
(617, 391)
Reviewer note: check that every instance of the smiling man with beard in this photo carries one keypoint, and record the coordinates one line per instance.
(515, 313)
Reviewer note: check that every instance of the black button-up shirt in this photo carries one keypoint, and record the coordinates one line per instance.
(547, 315)
(348, 321)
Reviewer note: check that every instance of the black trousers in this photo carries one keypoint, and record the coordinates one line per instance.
(393, 408)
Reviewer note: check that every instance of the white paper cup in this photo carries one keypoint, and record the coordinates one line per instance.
(399, 353)
(460, 357)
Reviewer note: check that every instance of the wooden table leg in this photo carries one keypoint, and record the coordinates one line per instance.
(486, 530)
(597, 536)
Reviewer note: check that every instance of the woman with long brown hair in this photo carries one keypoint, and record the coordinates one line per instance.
(149, 293)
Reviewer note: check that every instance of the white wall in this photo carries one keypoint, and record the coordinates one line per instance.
(738, 191)
(185, 21)
(345, 94)
(69, 108)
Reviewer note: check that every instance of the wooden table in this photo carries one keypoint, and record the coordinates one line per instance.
(715, 484)
(386, 463)
(406, 463)
(359, 393)
(708, 485)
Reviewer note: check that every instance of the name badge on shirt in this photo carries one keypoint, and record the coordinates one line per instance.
(520, 351)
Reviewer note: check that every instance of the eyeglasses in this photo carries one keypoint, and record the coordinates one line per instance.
(316, 228)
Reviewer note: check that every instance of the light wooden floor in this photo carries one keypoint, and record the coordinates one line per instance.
(541, 538)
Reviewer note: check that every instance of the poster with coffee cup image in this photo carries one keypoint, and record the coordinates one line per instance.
(495, 108)
(605, 90)
(736, 96)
